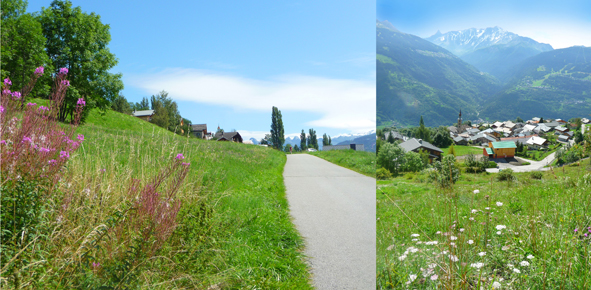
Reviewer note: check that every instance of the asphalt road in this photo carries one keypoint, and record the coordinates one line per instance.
(334, 209)
(534, 166)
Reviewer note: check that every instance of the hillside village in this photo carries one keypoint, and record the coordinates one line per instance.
(496, 144)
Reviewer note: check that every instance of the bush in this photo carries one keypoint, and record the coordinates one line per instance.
(505, 175)
(491, 164)
(409, 175)
(536, 175)
(446, 172)
(525, 163)
(383, 174)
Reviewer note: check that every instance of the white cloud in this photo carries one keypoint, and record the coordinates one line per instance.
(342, 103)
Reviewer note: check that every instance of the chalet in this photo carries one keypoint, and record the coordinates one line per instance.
(542, 128)
(482, 138)
(537, 143)
(415, 145)
(552, 125)
(229, 136)
(492, 133)
(473, 132)
(460, 141)
(529, 127)
(145, 115)
(503, 149)
(396, 135)
(536, 120)
(453, 129)
(497, 124)
(519, 139)
(585, 121)
(199, 130)
(561, 129)
(563, 138)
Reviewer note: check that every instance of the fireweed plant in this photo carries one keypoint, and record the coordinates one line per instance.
(39, 201)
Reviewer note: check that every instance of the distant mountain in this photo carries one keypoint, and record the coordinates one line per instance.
(491, 50)
(254, 141)
(416, 77)
(368, 141)
(553, 84)
(334, 140)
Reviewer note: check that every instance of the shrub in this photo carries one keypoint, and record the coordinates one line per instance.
(491, 164)
(525, 163)
(383, 174)
(506, 175)
(536, 175)
(409, 175)
(446, 172)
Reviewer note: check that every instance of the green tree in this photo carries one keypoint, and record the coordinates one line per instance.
(312, 139)
(23, 49)
(413, 162)
(266, 140)
(277, 131)
(424, 156)
(78, 41)
(303, 143)
(579, 137)
(391, 157)
(446, 172)
(329, 140)
(121, 105)
(391, 139)
(296, 148)
(518, 120)
(451, 150)
(324, 140)
(423, 132)
(166, 112)
(143, 105)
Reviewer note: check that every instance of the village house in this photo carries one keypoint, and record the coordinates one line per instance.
(199, 130)
(519, 139)
(536, 143)
(145, 115)
(460, 140)
(415, 145)
(397, 136)
(229, 136)
(502, 149)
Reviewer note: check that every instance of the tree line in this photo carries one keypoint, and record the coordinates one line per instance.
(60, 36)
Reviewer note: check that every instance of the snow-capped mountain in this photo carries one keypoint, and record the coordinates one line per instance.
(468, 40)
(334, 140)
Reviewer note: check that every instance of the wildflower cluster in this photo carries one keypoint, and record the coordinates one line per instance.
(34, 145)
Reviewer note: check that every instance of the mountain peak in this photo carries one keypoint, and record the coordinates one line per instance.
(386, 24)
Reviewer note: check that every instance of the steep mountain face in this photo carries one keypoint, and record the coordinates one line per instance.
(416, 77)
(491, 50)
(553, 84)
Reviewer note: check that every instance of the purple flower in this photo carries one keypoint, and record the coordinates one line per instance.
(39, 70)
(1, 109)
(576, 230)
(6, 92)
(80, 137)
(96, 265)
(103, 170)
(25, 138)
(43, 108)
(180, 156)
(7, 82)
(186, 164)
(81, 102)
(63, 71)
(31, 104)
(64, 154)
(44, 149)
(3, 142)
(52, 161)
(66, 83)
(17, 95)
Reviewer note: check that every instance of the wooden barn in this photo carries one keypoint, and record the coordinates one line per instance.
(503, 149)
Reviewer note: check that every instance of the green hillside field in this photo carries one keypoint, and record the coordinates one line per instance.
(532, 231)
(234, 229)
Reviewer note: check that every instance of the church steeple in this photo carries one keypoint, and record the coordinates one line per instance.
(460, 119)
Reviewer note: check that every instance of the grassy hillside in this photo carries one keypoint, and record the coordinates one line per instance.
(234, 229)
(416, 77)
(360, 161)
(526, 233)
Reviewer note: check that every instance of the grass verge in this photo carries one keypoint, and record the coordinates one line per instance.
(358, 161)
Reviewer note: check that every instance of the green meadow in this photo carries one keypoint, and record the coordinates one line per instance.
(532, 231)
(233, 229)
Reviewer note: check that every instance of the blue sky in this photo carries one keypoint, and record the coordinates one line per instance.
(561, 24)
(227, 63)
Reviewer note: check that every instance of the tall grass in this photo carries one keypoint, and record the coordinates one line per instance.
(523, 233)
(232, 229)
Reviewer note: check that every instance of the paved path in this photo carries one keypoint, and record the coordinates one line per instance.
(534, 166)
(334, 209)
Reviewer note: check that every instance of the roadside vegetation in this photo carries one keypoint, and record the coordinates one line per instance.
(358, 161)
(486, 231)
(120, 203)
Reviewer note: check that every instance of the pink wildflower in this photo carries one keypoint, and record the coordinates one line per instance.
(7, 82)
(81, 102)
(6, 92)
(39, 70)
(52, 161)
(31, 104)
(186, 164)
(16, 95)
(1, 109)
(576, 230)
(25, 138)
(66, 83)
(63, 71)
(64, 154)
(43, 108)
(44, 149)
(180, 156)
(80, 137)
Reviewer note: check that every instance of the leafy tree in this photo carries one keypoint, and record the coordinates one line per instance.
(277, 136)
(329, 140)
(413, 162)
(303, 140)
(23, 49)
(296, 148)
(286, 148)
(541, 121)
(78, 41)
(121, 105)
(265, 140)
(324, 140)
(424, 156)
(423, 132)
(143, 105)
(578, 137)
(446, 172)
(518, 120)
(391, 157)
(467, 122)
(166, 112)
(441, 138)
(391, 139)
(379, 143)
